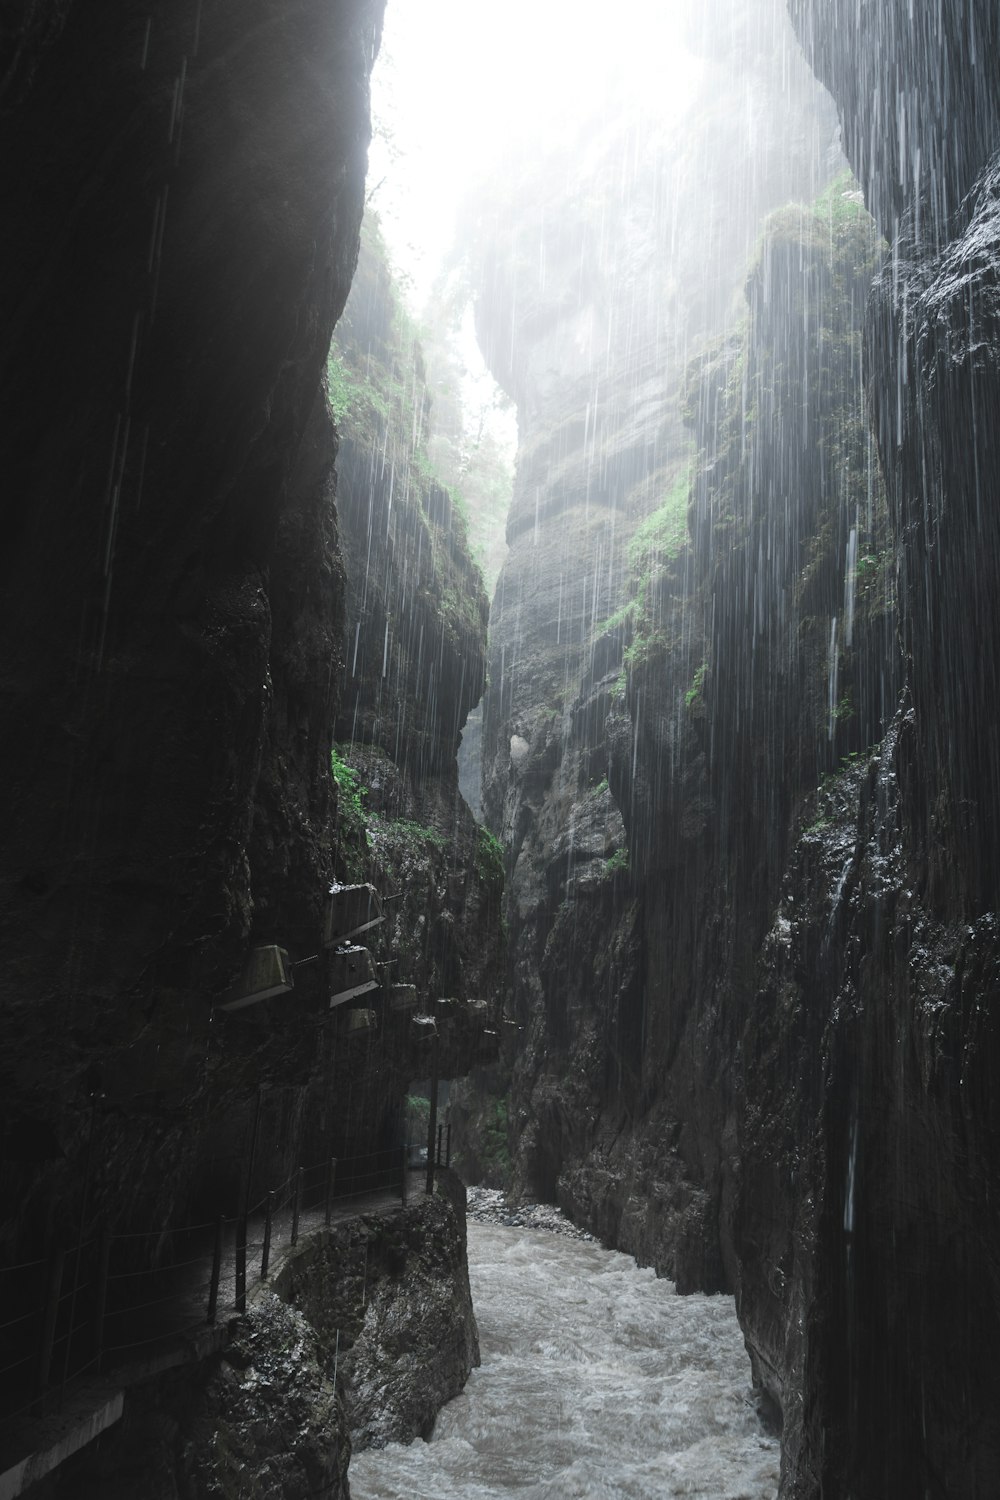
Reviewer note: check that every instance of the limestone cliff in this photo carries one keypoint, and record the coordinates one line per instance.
(183, 190)
(360, 1336)
(414, 660)
(870, 1255)
(641, 256)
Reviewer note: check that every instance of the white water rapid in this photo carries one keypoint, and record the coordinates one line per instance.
(597, 1383)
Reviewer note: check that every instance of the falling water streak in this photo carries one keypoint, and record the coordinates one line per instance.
(833, 678)
(181, 88)
(852, 1162)
(849, 583)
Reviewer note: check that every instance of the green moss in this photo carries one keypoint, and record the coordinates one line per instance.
(695, 692)
(495, 1151)
(624, 616)
(402, 831)
(663, 535)
(350, 792)
(418, 1114)
(489, 857)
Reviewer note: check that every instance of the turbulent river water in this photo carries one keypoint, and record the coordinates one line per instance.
(597, 1383)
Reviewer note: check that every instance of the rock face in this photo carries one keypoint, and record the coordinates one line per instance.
(866, 1214)
(364, 1332)
(587, 738)
(418, 1340)
(183, 192)
(773, 1068)
(414, 666)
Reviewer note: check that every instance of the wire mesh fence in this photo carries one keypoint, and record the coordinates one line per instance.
(115, 1299)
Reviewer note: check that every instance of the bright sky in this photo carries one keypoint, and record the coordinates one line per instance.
(458, 81)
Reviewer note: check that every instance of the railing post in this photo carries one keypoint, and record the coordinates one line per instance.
(241, 1264)
(331, 1177)
(447, 1148)
(406, 1162)
(49, 1321)
(440, 1141)
(213, 1286)
(101, 1294)
(265, 1254)
(296, 1205)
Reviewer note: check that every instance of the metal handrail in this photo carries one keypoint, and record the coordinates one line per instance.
(78, 1276)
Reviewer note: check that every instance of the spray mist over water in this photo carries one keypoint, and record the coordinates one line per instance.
(597, 1380)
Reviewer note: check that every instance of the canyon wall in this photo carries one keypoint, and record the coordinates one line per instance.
(877, 1310)
(183, 190)
(758, 1050)
(591, 313)
(363, 1332)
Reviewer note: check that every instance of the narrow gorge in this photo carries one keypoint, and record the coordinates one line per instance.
(661, 886)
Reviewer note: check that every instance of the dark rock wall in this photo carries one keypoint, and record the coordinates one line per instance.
(183, 191)
(414, 661)
(643, 246)
(365, 1330)
(866, 1215)
(786, 1087)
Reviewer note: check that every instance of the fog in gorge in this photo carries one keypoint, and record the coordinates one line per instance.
(499, 610)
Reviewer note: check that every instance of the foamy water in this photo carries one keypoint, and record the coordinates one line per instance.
(597, 1383)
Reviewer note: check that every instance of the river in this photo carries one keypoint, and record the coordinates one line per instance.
(597, 1383)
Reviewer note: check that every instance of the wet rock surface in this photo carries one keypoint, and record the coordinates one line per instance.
(184, 189)
(363, 1333)
(583, 725)
(491, 1206)
(882, 961)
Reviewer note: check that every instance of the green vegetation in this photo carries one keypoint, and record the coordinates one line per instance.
(695, 692)
(379, 393)
(489, 857)
(616, 865)
(841, 207)
(401, 831)
(417, 1115)
(663, 535)
(350, 792)
(495, 1151)
(626, 615)
(377, 387)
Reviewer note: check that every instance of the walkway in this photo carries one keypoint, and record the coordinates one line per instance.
(103, 1326)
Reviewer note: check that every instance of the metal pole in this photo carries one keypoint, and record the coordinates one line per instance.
(265, 1255)
(297, 1205)
(440, 1141)
(432, 1125)
(101, 1298)
(213, 1286)
(241, 1264)
(241, 1227)
(406, 1162)
(331, 1177)
(253, 1154)
(49, 1321)
(447, 1149)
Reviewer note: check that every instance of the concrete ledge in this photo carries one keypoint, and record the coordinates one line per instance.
(92, 1410)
